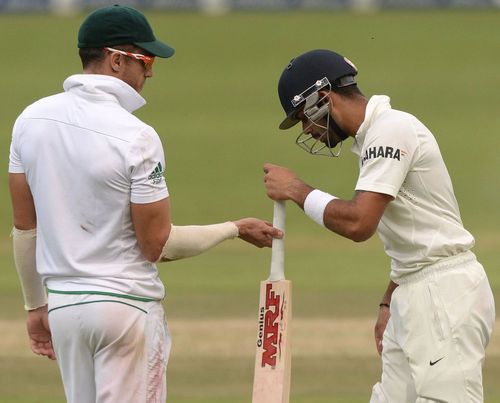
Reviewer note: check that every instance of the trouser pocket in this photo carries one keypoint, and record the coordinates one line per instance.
(438, 312)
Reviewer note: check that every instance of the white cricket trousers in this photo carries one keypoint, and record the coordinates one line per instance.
(434, 343)
(109, 349)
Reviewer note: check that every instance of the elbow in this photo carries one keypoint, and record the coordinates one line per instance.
(153, 249)
(360, 237)
(152, 255)
(361, 233)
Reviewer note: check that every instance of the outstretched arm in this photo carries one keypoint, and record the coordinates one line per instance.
(160, 240)
(356, 219)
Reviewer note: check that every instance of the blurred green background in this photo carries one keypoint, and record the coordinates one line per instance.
(215, 107)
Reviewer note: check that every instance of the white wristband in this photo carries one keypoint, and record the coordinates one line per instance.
(315, 204)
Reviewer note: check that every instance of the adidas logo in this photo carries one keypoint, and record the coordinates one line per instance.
(157, 175)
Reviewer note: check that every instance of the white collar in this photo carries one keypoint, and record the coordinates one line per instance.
(375, 106)
(105, 87)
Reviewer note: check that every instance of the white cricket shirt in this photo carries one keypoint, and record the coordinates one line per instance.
(86, 157)
(400, 157)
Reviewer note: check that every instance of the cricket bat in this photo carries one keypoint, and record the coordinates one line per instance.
(273, 356)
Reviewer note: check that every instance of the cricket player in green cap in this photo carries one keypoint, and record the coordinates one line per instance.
(92, 219)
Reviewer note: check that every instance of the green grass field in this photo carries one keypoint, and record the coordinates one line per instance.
(215, 107)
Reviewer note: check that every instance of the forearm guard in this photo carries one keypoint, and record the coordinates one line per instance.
(24, 243)
(191, 240)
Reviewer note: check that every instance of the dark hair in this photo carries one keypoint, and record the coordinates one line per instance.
(350, 91)
(89, 56)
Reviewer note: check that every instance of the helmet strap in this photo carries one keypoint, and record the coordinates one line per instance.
(332, 124)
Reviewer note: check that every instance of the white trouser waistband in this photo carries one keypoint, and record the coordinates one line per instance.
(447, 263)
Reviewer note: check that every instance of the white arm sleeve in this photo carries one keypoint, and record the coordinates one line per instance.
(25, 260)
(191, 240)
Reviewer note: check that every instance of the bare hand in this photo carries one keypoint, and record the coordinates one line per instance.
(383, 317)
(282, 184)
(39, 332)
(257, 232)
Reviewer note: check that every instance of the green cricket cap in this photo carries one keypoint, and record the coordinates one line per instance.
(120, 25)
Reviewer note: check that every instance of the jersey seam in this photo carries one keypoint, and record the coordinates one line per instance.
(79, 127)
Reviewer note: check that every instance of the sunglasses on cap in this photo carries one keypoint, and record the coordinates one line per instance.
(146, 60)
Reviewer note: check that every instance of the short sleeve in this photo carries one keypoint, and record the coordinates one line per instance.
(386, 157)
(147, 168)
(15, 163)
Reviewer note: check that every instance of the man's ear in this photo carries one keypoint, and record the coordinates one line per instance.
(325, 96)
(326, 93)
(115, 62)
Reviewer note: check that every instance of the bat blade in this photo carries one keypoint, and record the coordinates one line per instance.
(273, 354)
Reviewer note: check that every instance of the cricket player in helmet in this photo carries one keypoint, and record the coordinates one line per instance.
(437, 314)
(303, 90)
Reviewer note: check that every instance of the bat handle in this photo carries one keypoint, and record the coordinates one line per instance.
(278, 250)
